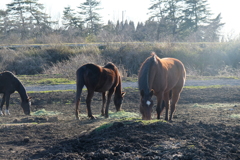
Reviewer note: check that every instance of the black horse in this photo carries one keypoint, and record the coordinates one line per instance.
(8, 85)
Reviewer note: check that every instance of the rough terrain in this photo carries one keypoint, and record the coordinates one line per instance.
(205, 126)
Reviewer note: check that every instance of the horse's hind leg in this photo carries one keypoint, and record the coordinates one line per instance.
(103, 102)
(80, 84)
(175, 98)
(88, 101)
(2, 103)
(166, 103)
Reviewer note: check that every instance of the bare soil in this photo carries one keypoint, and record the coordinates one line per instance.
(203, 128)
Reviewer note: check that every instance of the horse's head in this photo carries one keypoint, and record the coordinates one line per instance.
(118, 99)
(146, 105)
(26, 106)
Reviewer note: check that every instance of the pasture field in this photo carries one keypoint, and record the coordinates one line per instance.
(205, 126)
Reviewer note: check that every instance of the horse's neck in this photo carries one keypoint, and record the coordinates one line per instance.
(22, 91)
(119, 87)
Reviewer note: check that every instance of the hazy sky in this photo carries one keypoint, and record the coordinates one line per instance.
(136, 10)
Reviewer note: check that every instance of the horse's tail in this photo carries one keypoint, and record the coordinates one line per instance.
(80, 82)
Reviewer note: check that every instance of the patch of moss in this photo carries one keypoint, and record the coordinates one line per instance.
(43, 112)
(104, 126)
(54, 81)
(204, 87)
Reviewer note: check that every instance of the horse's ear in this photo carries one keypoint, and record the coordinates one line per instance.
(123, 94)
(142, 93)
(151, 93)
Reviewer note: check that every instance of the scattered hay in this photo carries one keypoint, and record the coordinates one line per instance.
(43, 112)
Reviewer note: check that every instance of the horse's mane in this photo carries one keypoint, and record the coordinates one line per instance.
(144, 73)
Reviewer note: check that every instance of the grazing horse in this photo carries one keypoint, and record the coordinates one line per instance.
(163, 78)
(8, 85)
(99, 79)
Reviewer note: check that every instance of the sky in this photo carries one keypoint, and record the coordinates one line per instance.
(136, 10)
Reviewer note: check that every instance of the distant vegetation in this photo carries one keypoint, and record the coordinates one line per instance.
(200, 59)
(24, 22)
(184, 29)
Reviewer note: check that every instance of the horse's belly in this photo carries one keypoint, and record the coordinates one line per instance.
(103, 88)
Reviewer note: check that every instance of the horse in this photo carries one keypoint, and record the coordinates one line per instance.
(99, 79)
(9, 83)
(163, 78)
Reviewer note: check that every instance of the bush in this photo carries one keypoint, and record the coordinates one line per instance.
(208, 59)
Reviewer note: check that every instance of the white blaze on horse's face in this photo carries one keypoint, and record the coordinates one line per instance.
(148, 103)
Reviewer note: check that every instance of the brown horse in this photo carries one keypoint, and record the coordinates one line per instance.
(8, 85)
(99, 79)
(163, 78)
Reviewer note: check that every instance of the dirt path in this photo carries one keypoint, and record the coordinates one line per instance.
(230, 82)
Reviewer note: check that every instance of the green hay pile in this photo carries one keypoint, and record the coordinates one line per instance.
(43, 112)
(123, 114)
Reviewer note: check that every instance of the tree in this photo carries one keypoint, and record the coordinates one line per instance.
(70, 19)
(158, 13)
(92, 19)
(212, 32)
(4, 23)
(174, 16)
(196, 13)
(27, 17)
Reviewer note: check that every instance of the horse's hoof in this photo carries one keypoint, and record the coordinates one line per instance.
(92, 118)
(106, 116)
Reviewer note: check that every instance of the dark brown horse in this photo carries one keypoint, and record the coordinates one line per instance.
(163, 78)
(8, 85)
(99, 79)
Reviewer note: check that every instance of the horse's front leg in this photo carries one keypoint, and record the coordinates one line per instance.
(159, 108)
(2, 103)
(103, 102)
(77, 109)
(110, 93)
(88, 102)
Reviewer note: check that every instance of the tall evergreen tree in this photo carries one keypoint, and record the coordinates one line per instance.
(27, 16)
(70, 19)
(174, 16)
(4, 23)
(158, 13)
(196, 13)
(212, 31)
(92, 18)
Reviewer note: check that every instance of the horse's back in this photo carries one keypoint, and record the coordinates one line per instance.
(89, 74)
(166, 74)
(8, 82)
(96, 77)
(173, 66)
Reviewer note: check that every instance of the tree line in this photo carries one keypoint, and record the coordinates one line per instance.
(169, 20)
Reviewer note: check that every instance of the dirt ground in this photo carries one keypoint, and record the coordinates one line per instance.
(204, 127)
